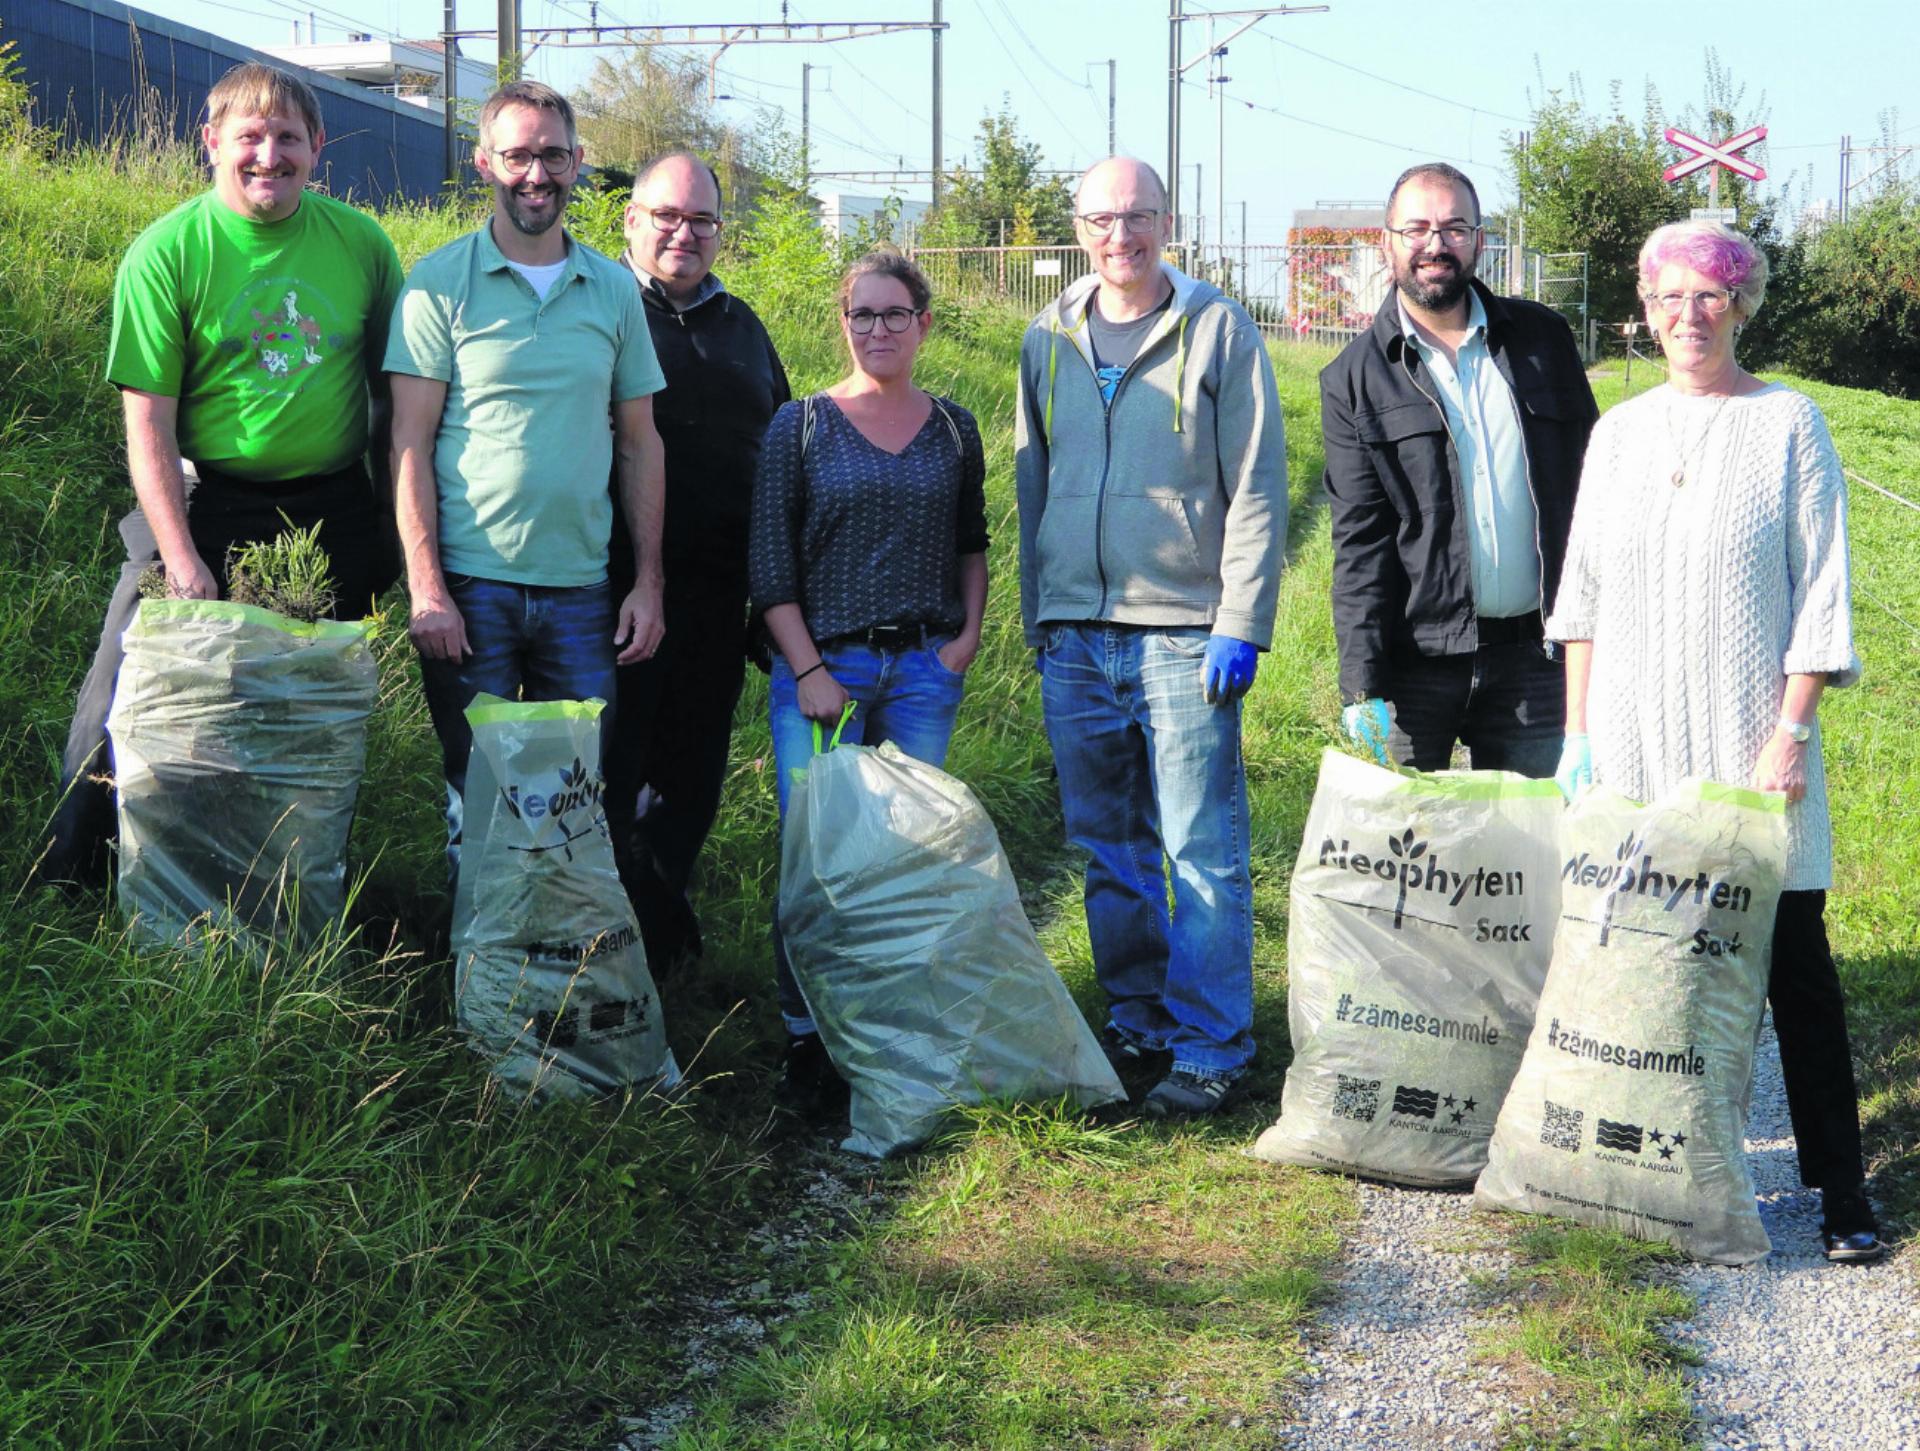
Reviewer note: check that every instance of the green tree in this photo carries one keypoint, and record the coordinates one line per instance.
(1845, 303)
(648, 102)
(1590, 181)
(1008, 189)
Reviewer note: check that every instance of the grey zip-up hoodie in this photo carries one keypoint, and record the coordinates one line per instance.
(1169, 508)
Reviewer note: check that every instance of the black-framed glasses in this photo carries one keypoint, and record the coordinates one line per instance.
(1713, 301)
(1454, 234)
(1135, 221)
(518, 161)
(897, 319)
(667, 219)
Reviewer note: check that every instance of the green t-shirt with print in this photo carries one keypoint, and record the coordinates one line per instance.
(267, 333)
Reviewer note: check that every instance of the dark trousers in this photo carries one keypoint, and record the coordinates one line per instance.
(1810, 1017)
(672, 730)
(1506, 702)
(221, 514)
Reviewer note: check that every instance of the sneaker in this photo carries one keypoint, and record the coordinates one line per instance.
(1862, 1247)
(1130, 1058)
(809, 1083)
(1187, 1095)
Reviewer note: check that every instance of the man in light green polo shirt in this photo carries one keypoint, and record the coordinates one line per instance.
(509, 349)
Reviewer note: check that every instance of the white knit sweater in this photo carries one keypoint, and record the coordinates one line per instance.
(1701, 598)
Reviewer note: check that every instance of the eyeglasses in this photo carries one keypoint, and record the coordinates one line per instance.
(1136, 222)
(666, 219)
(1451, 235)
(898, 319)
(518, 161)
(1711, 301)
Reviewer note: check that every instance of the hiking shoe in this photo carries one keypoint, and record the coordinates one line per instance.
(1848, 1232)
(1187, 1095)
(1130, 1058)
(809, 1083)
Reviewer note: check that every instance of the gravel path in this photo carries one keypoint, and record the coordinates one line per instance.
(1797, 1354)
(1800, 1353)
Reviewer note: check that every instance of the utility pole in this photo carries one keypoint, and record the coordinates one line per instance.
(1218, 79)
(507, 36)
(1112, 146)
(1846, 160)
(1199, 207)
(939, 29)
(1176, 17)
(806, 121)
(449, 85)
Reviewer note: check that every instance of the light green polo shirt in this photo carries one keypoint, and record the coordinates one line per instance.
(1502, 523)
(526, 442)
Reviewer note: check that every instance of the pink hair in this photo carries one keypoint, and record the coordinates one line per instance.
(1712, 250)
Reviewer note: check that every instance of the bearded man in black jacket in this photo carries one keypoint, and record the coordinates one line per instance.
(675, 713)
(1455, 428)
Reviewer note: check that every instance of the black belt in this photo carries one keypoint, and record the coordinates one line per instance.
(887, 637)
(1512, 630)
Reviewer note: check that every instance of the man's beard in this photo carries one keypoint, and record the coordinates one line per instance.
(1438, 294)
(534, 226)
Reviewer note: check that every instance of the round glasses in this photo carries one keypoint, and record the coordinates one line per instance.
(666, 219)
(518, 161)
(897, 319)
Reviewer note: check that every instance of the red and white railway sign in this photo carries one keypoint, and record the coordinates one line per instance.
(1715, 153)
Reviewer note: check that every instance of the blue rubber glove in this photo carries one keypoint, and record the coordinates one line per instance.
(1576, 766)
(1228, 672)
(1366, 723)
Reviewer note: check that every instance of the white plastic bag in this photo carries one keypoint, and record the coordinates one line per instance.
(1630, 1106)
(906, 934)
(239, 739)
(550, 978)
(1421, 919)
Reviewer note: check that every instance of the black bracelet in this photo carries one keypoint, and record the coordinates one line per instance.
(817, 665)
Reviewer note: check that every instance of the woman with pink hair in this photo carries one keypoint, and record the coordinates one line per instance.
(1704, 608)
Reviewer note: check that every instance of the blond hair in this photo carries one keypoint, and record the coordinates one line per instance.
(253, 89)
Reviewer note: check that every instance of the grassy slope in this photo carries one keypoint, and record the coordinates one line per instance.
(255, 1208)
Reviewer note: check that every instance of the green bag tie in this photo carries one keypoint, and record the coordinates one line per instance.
(845, 716)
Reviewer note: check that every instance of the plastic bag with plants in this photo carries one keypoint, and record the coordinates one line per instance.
(1630, 1107)
(907, 936)
(1419, 929)
(550, 978)
(239, 732)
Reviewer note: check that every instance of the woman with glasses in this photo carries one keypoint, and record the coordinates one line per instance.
(868, 558)
(1705, 608)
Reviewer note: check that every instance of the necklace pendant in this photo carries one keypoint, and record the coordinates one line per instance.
(1679, 477)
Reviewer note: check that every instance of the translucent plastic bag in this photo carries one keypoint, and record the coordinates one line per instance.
(239, 739)
(1630, 1106)
(1420, 924)
(550, 978)
(906, 934)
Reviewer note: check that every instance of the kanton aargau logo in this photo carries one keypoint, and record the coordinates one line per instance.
(1671, 891)
(1408, 864)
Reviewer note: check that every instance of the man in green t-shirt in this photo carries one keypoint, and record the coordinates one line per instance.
(522, 372)
(248, 326)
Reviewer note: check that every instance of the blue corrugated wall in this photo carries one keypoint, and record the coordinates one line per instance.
(81, 59)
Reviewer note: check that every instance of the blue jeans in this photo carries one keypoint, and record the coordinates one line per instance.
(901, 695)
(1507, 703)
(1152, 789)
(531, 642)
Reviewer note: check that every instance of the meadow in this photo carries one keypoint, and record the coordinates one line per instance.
(274, 1202)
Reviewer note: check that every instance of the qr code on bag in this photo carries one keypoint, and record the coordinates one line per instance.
(1357, 1098)
(1560, 1128)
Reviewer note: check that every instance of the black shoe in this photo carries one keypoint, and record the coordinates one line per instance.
(1848, 1230)
(810, 1085)
(1132, 1061)
(1187, 1095)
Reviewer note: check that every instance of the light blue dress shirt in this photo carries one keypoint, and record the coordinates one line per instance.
(1502, 525)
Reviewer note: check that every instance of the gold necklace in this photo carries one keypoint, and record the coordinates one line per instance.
(1700, 452)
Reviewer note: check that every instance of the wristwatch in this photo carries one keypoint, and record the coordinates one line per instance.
(1797, 731)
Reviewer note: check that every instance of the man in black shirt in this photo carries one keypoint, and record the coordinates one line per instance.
(675, 712)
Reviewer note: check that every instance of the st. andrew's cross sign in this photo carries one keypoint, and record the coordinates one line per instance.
(1715, 154)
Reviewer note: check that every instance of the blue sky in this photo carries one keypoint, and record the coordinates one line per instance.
(1319, 106)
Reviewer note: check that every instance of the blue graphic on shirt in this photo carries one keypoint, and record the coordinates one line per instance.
(1109, 378)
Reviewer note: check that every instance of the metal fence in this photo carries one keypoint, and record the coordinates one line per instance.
(1316, 294)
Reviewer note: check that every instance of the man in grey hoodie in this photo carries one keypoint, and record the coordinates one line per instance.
(1152, 478)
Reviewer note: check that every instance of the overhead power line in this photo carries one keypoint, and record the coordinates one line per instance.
(1039, 92)
(1427, 151)
(1390, 81)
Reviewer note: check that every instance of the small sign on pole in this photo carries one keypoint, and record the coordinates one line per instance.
(1728, 215)
(1046, 266)
(1713, 155)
